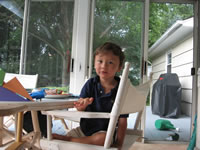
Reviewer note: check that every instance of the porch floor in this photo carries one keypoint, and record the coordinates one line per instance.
(152, 134)
(145, 146)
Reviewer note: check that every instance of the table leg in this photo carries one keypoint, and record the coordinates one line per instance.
(18, 141)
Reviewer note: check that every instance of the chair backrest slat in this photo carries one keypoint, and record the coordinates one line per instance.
(121, 93)
(28, 81)
(135, 97)
(129, 98)
(117, 106)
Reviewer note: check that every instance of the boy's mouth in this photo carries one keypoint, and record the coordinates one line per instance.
(104, 72)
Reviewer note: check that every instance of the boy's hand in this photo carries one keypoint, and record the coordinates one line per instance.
(82, 103)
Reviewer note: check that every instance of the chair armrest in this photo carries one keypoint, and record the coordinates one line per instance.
(76, 114)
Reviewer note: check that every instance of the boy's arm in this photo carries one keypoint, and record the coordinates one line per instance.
(121, 132)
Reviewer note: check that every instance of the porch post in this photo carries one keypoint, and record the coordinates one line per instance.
(198, 81)
(144, 56)
(198, 115)
(80, 44)
(24, 37)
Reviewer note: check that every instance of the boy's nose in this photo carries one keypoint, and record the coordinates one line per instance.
(104, 64)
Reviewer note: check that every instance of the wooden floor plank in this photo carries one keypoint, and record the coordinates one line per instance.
(147, 146)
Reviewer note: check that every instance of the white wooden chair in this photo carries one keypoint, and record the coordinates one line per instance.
(29, 82)
(129, 99)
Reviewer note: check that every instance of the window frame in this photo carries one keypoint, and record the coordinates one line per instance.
(168, 63)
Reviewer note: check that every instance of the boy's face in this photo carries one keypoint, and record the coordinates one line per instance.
(107, 65)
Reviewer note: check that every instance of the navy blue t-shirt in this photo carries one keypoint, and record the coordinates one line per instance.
(102, 103)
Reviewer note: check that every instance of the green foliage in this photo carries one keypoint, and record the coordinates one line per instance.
(50, 29)
(116, 21)
(121, 23)
(163, 15)
(10, 35)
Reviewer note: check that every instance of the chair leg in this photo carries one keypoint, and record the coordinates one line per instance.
(49, 126)
(4, 132)
(32, 139)
(9, 121)
(36, 127)
(16, 121)
(138, 119)
(64, 123)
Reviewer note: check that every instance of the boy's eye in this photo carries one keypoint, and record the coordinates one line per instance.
(99, 61)
(110, 62)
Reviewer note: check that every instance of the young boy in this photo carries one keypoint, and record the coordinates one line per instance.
(98, 95)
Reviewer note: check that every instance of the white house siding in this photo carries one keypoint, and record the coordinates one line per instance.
(182, 62)
(158, 67)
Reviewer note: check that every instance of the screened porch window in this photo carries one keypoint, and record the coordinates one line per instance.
(49, 42)
(11, 22)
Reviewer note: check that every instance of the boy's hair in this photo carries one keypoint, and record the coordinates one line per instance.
(111, 47)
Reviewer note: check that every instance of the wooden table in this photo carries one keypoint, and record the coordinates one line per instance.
(10, 107)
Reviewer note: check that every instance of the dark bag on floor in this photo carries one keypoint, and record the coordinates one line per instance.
(28, 126)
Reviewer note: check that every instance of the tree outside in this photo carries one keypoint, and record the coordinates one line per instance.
(120, 22)
(163, 16)
(11, 21)
(49, 42)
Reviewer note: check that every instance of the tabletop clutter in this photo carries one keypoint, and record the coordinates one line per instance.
(38, 94)
(43, 92)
